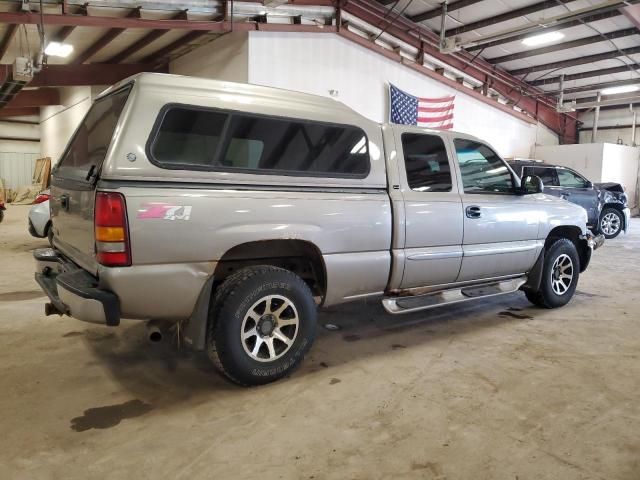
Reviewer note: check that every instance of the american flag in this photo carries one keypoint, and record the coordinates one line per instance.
(434, 113)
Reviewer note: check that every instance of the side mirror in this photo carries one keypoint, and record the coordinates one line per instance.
(531, 184)
(588, 184)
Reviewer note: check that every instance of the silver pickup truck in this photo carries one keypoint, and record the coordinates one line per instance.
(235, 211)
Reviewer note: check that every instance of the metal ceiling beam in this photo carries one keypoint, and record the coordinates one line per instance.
(436, 12)
(109, 22)
(535, 27)
(85, 74)
(611, 100)
(576, 61)
(563, 46)
(7, 39)
(555, 28)
(595, 87)
(505, 17)
(104, 40)
(606, 127)
(19, 112)
(582, 75)
(145, 41)
(35, 98)
(160, 55)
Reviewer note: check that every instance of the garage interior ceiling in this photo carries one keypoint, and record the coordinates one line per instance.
(114, 39)
(600, 47)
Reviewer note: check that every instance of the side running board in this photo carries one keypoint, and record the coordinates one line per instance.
(398, 305)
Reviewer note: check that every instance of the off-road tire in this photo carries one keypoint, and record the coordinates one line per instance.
(231, 302)
(617, 213)
(546, 297)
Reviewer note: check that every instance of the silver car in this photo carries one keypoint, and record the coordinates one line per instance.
(40, 217)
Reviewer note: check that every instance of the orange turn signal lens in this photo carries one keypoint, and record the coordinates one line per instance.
(110, 234)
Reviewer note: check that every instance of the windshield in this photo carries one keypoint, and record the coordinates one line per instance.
(88, 146)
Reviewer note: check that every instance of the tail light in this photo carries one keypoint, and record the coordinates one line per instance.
(42, 197)
(112, 230)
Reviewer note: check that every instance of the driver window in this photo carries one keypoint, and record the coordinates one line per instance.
(570, 179)
(481, 169)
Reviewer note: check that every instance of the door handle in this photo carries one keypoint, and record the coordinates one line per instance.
(564, 196)
(473, 211)
(64, 202)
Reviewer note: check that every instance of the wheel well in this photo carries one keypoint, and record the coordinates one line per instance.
(298, 256)
(573, 234)
(618, 207)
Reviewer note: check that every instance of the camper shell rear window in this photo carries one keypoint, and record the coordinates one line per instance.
(89, 144)
(195, 138)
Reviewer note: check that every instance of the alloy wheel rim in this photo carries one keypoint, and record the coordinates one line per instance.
(269, 328)
(562, 274)
(610, 224)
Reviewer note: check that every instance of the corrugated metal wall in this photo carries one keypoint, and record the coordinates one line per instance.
(17, 168)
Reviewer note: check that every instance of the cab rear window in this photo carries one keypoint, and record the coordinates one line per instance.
(192, 138)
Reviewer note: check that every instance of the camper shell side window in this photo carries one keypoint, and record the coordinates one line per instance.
(195, 138)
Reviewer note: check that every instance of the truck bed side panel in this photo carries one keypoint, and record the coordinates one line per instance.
(190, 228)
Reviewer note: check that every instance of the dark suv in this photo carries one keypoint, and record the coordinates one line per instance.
(605, 203)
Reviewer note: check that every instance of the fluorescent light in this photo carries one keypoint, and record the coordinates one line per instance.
(543, 38)
(620, 89)
(57, 49)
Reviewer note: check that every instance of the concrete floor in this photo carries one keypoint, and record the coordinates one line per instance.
(493, 389)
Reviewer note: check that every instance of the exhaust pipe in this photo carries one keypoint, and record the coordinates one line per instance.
(154, 333)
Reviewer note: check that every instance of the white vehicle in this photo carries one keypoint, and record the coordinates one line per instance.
(40, 217)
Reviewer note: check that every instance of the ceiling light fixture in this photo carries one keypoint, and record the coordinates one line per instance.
(542, 38)
(57, 49)
(620, 89)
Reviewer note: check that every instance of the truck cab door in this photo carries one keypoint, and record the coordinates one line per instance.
(432, 247)
(500, 226)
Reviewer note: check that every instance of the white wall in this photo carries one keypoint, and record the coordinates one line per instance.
(610, 136)
(57, 123)
(318, 63)
(226, 58)
(585, 158)
(620, 165)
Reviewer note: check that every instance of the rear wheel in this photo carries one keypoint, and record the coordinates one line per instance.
(262, 322)
(559, 277)
(611, 222)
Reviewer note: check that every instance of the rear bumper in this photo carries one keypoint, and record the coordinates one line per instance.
(73, 291)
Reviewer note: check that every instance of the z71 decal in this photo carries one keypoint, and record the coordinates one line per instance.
(164, 211)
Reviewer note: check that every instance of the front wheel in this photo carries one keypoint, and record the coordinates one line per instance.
(611, 222)
(262, 322)
(559, 277)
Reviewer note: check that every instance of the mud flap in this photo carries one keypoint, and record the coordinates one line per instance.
(195, 332)
(534, 279)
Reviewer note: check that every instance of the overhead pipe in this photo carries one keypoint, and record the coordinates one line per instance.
(596, 117)
(443, 23)
(633, 126)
